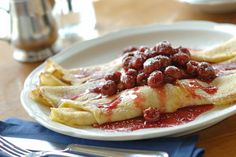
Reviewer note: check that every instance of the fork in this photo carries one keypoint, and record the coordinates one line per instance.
(15, 151)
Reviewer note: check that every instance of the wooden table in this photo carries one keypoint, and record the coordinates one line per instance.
(218, 140)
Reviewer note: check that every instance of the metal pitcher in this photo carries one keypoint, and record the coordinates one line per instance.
(33, 29)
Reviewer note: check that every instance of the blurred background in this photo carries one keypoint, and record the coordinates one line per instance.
(79, 20)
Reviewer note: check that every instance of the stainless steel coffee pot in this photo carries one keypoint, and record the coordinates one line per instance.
(33, 29)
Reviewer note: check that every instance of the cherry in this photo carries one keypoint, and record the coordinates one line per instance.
(205, 71)
(150, 53)
(183, 50)
(143, 48)
(128, 54)
(131, 72)
(137, 63)
(130, 49)
(164, 48)
(108, 88)
(126, 62)
(140, 55)
(180, 58)
(151, 114)
(155, 79)
(192, 68)
(128, 81)
(115, 76)
(164, 60)
(151, 65)
(142, 78)
(173, 72)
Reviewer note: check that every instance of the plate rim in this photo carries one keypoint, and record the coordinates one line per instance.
(198, 25)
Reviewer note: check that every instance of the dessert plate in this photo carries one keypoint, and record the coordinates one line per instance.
(192, 34)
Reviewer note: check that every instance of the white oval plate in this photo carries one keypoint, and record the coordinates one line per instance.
(189, 34)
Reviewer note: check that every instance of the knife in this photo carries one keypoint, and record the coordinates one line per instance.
(41, 145)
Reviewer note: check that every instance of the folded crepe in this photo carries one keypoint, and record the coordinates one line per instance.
(66, 92)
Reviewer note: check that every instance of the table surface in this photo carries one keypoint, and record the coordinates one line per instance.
(218, 140)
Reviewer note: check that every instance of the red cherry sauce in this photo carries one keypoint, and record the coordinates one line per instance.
(162, 97)
(193, 85)
(181, 116)
(115, 102)
(110, 106)
(138, 101)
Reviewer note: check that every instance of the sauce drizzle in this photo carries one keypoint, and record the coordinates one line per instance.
(162, 97)
(138, 101)
(181, 116)
(137, 98)
(193, 85)
(110, 106)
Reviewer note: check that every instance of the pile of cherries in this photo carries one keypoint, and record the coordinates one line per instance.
(154, 67)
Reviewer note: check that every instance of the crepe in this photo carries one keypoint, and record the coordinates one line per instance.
(66, 92)
(218, 53)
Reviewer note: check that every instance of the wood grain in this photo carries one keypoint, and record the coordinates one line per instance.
(112, 15)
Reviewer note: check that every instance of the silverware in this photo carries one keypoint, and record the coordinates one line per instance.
(83, 149)
(15, 151)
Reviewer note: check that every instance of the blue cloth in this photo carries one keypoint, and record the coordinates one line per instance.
(175, 146)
